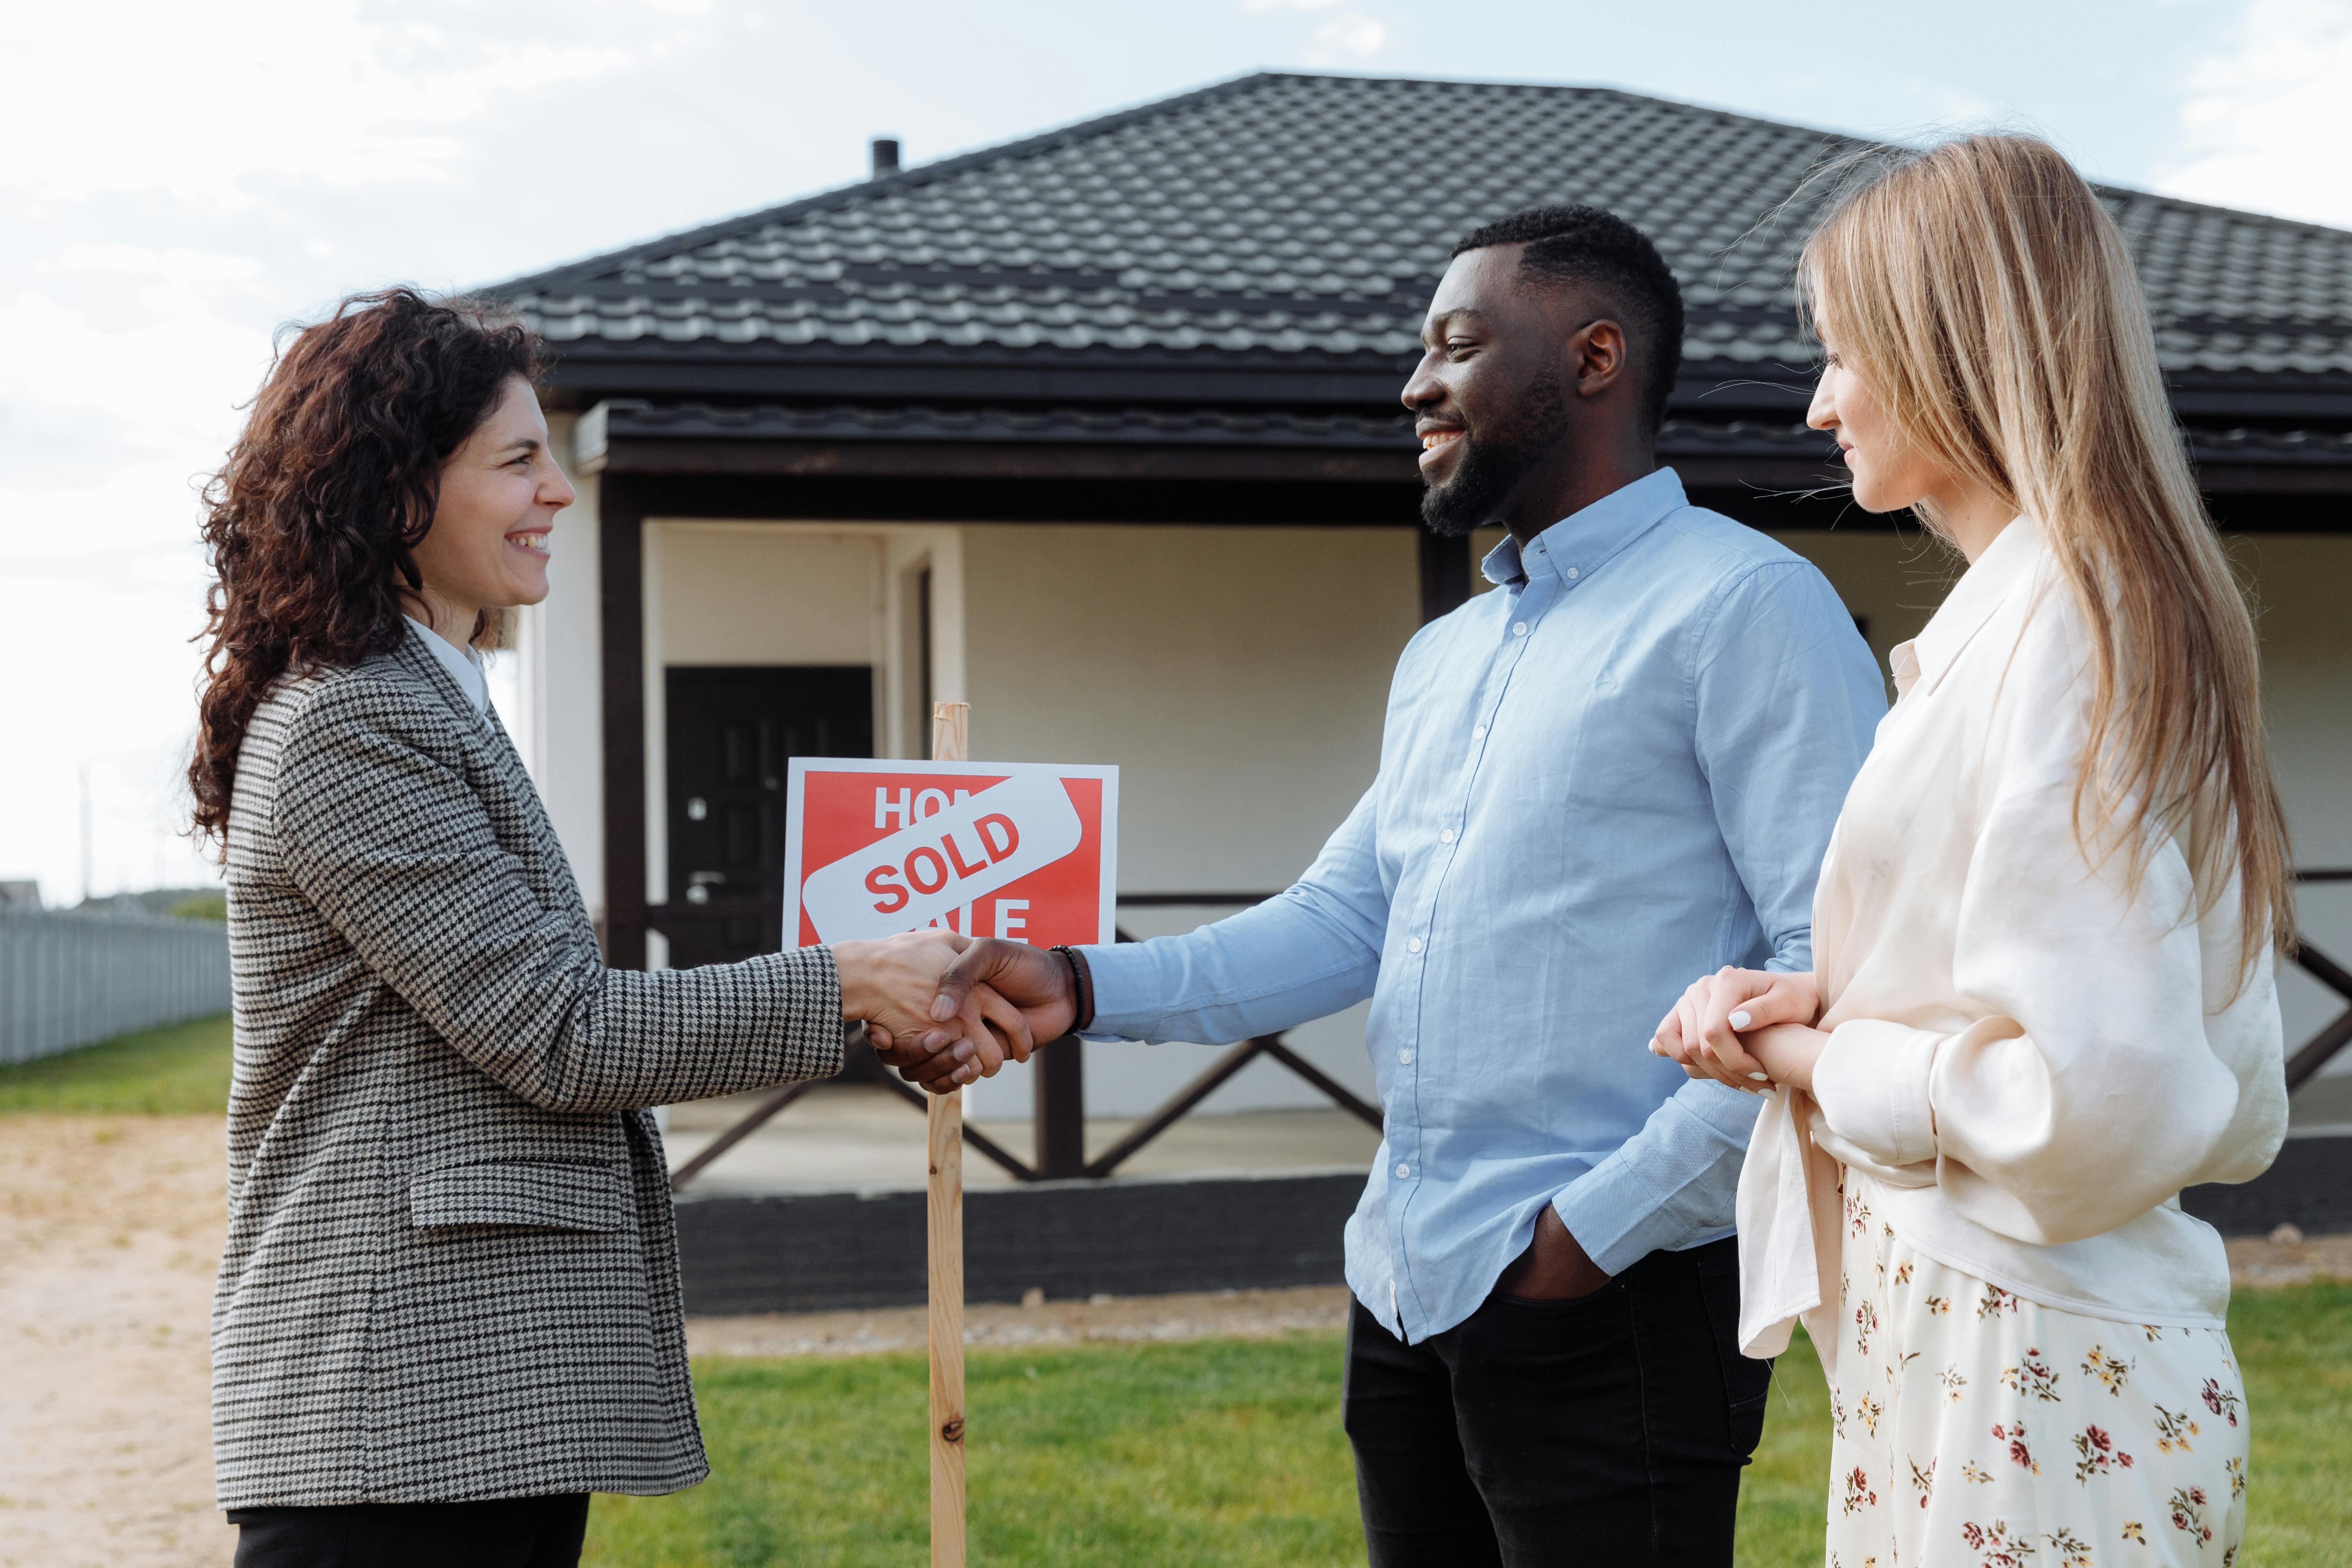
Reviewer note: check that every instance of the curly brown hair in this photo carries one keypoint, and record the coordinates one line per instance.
(311, 521)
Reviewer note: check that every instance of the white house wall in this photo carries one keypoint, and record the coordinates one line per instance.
(2301, 582)
(559, 725)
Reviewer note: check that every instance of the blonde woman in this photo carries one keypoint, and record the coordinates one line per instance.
(2044, 934)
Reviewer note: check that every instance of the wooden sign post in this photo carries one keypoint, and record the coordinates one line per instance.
(948, 722)
(1022, 851)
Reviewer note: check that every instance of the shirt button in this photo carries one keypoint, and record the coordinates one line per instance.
(1479, 733)
(1518, 628)
(1446, 837)
(1404, 1170)
(1571, 574)
(1405, 1057)
(1412, 944)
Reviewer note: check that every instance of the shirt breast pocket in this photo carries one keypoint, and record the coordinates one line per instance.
(533, 1194)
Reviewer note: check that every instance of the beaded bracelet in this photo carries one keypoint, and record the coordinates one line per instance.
(1082, 982)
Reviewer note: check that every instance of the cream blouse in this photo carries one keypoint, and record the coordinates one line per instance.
(2026, 1063)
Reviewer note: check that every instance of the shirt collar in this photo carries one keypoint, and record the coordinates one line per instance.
(2008, 561)
(1583, 539)
(463, 665)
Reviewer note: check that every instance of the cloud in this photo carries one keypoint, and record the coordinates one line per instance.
(1346, 36)
(2264, 120)
(201, 102)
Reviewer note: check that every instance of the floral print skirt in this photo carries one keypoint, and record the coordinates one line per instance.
(1977, 1429)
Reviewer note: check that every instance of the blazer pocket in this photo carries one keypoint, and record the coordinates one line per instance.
(516, 1192)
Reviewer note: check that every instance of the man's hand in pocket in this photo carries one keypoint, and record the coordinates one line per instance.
(1553, 1267)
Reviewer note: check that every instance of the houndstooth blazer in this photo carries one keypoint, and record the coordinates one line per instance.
(452, 1268)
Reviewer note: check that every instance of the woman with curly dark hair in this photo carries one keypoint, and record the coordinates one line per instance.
(449, 1307)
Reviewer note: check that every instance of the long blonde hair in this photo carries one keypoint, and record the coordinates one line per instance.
(1984, 294)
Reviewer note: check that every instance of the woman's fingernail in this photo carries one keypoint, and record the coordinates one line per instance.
(1657, 1050)
(1762, 1077)
(1740, 1019)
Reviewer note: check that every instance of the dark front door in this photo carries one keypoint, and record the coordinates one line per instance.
(733, 732)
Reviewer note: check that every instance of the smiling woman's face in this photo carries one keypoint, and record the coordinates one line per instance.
(499, 493)
(1889, 473)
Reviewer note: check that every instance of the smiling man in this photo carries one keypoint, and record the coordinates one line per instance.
(1615, 772)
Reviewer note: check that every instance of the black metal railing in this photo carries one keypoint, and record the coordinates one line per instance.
(2306, 1062)
(1060, 1114)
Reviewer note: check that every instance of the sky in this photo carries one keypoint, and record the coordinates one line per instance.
(177, 182)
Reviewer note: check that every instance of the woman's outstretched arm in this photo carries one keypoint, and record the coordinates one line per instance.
(382, 832)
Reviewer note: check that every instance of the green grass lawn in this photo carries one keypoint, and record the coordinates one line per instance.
(2294, 1347)
(1230, 1453)
(179, 1071)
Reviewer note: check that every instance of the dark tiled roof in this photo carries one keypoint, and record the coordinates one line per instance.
(1300, 221)
(2272, 448)
(623, 419)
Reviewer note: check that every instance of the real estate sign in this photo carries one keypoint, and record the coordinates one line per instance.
(1023, 850)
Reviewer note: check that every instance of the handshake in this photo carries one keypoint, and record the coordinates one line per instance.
(946, 1010)
(1749, 1029)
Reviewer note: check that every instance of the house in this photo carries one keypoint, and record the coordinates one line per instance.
(1098, 431)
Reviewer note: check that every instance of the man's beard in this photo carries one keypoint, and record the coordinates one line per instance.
(1497, 460)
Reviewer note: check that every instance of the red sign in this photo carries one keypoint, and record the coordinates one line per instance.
(1023, 850)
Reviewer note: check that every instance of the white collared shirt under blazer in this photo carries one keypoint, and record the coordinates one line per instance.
(451, 1269)
(2029, 1058)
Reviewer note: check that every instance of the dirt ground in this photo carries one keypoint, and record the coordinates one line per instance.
(111, 1228)
(1231, 1314)
(109, 1231)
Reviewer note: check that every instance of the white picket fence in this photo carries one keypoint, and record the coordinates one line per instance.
(70, 979)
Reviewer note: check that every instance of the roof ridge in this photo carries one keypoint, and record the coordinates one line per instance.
(905, 179)
(1742, 117)
(584, 269)
(1739, 116)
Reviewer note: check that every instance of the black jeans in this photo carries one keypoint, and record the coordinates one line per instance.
(1610, 1429)
(510, 1533)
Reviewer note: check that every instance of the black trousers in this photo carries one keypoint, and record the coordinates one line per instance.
(1610, 1429)
(510, 1533)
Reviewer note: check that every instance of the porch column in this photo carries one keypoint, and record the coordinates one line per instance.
(1445, 573)
(1060, 1108)
(622, 599)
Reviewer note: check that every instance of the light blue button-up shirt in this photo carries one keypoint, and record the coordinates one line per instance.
(1614, 773)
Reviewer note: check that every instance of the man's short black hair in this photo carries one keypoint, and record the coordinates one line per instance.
(1601, 250)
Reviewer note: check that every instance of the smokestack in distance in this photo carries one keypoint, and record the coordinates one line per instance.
(885, 157)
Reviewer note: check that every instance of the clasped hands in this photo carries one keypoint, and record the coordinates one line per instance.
(946, 1010)
(1749, 1029)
